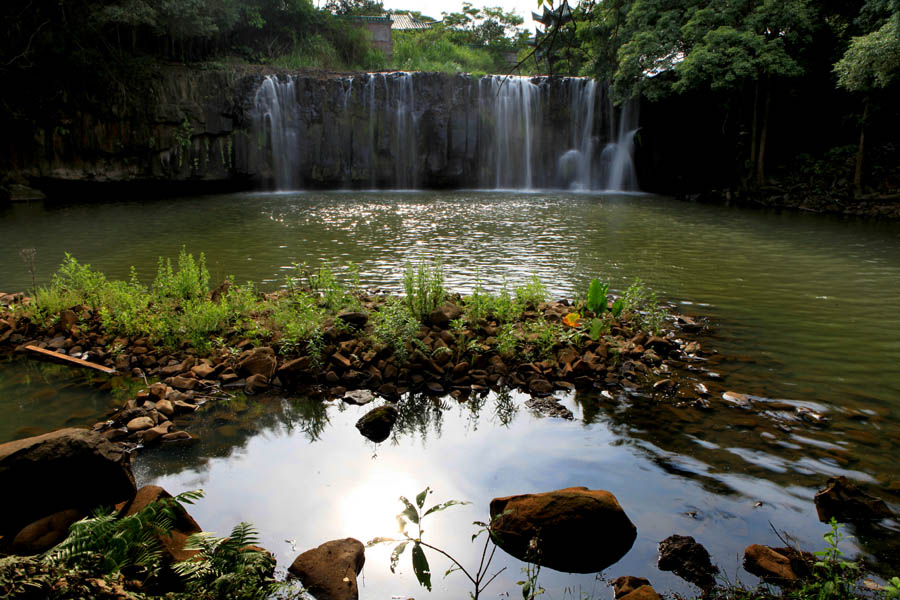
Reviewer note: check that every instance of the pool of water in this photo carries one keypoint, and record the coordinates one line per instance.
(803, 307)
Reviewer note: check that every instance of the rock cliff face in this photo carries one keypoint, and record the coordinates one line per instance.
(208, 129)
(181, 127)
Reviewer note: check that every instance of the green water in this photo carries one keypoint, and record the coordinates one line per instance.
(803, 308)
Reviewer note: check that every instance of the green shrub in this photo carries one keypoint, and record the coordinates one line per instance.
(395, 326)
(190, 281)
(424, 287)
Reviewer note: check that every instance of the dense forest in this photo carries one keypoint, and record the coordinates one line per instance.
(735, 95)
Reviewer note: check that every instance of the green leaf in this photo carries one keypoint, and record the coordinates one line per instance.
(617, 307)
(420, 567)
(420, 499)
(410, 511)
(395, 555)
(596, 329)
(445, 505)
(596, 296)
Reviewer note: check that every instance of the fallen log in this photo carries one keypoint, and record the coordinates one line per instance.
(71, 360)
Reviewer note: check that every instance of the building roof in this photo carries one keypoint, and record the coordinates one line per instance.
(407, 21)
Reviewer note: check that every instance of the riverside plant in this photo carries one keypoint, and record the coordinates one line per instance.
(178, 311)
(415, 514)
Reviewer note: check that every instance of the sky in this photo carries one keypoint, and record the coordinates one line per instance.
(434, 8)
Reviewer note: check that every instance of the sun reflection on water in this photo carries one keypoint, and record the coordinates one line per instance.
(369, 509)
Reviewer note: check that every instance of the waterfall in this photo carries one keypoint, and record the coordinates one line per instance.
(405, 130)
(276, 122)
(617, 159)
(509, 105)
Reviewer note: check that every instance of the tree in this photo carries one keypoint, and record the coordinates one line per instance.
(355, 7)
(871, 63)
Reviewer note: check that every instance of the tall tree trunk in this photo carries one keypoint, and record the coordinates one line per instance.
(761, 160)
(857, 175)
(754, 129)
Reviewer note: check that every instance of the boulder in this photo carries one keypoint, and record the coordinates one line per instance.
(259, 361)
(165, 407)
(377, 423)
(688, 559)
(158, 391)
(45, 533)
(575, 530)
(67, 468)
(776, 565)
(633, 588)
(68, 319)
(442, 315)
(140, 424)
(358, 397)
(540, 386)
(329, 571)
(354, 318)
(847, 503)
(294, 371)
(172, 545)
(256, 383)
(182, 383)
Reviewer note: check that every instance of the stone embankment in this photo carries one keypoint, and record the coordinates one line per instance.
(442, 359)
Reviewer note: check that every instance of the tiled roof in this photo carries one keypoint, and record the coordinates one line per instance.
(407, 21)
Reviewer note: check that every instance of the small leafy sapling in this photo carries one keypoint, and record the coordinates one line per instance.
(415, 514)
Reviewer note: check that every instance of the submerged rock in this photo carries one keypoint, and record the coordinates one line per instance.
(776, 565)
(688, 559)
(575, 530)
(68, 468)
(629, 587)
(846, 502)
(377, 423)
(329, 571)
(358, 397)
(549, 407)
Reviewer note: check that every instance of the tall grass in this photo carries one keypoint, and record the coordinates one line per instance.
(430, 51)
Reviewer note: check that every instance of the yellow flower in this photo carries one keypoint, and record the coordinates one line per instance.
(571, 319)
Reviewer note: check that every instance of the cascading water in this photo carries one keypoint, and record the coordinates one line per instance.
(404, 130)
(617, 158)
(509, 104)
(276, 122)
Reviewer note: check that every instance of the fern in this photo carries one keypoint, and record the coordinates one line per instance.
(228, 567)
(108, 545)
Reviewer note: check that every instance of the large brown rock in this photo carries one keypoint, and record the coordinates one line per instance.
(845, 502)
(776, 565)
(329, 571)
(185, 525)
(45, 533)
(576, 530)
(294, 371)
(259, 361)
(629, 587)
(67, 468)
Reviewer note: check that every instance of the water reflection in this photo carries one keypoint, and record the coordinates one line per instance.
(299, 470)
(38, 397)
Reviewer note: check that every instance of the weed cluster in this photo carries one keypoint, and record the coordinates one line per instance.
(178, 308)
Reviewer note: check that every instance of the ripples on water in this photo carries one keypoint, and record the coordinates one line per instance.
(804, 308)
